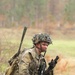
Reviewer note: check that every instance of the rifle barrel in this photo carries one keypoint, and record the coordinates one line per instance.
(24, 31)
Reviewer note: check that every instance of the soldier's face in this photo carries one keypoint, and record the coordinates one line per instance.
(42, 46)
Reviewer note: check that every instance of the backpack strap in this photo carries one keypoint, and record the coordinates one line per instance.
(31, 57)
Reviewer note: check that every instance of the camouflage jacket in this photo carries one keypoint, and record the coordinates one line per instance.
(28, 64)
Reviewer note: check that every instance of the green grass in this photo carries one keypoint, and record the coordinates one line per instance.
(64, 47)
(59, 47)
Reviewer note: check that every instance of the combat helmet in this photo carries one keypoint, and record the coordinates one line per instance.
(41, 37)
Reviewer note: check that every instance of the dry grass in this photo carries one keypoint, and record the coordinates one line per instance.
(64, 66)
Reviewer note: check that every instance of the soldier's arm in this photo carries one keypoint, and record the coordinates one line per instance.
(23, 65)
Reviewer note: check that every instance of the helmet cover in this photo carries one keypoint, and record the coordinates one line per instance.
(41, 37)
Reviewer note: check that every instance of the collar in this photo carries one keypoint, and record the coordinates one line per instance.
(37, 56)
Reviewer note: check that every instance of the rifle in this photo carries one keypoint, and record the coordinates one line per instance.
(17, 54)
(52, 64)
(42, 67)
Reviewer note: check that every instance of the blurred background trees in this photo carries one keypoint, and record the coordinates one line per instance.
(37, 12)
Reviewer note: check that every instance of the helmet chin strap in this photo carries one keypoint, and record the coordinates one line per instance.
(41, 50)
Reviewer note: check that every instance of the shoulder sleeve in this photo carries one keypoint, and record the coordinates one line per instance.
(23, 64)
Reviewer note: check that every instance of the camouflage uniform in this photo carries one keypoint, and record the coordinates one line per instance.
(29, 63)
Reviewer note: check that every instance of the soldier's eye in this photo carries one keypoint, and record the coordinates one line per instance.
(45, 44)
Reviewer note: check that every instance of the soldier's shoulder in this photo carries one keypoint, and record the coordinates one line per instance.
(27, 51)
(26, 54)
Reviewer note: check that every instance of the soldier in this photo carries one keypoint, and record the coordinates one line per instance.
(30, 60)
